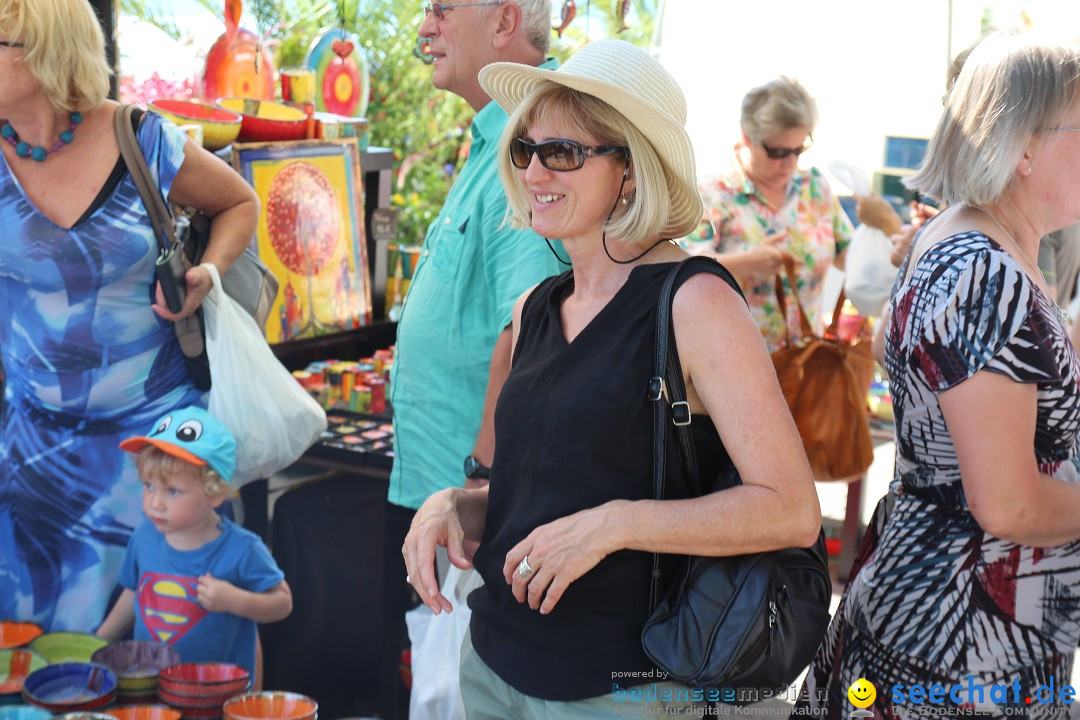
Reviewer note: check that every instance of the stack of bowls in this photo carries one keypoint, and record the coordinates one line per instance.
(62, 647)
(143, 712)
(271, 706)
(198, 690)
(15, 666)
(14, 634)
(70, 687)
(137, 664)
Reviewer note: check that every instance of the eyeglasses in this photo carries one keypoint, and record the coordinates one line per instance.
(1061, 128)
(558, 155)
(781, 153)
(439, 10)
(10, 44)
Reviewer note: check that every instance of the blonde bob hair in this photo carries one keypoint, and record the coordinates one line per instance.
(1013, 85)
(65, 49)
(778, 105)
(646, 214)
(156, 464)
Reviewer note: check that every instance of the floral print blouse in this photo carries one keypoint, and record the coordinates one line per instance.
(818, 230)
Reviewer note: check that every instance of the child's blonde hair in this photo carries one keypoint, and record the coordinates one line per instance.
(155, 464)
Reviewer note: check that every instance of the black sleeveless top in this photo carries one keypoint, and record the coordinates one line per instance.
(574, 430)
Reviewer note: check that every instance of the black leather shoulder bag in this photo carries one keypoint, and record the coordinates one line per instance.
(747, 621)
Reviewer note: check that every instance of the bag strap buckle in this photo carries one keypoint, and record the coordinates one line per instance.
(680, 413)
(655, 391)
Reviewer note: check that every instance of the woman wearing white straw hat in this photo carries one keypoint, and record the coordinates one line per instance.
(595, 155)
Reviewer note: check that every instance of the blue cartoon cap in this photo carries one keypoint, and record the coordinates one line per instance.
(194, 435)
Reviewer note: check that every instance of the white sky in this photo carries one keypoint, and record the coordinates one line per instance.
(875, 68)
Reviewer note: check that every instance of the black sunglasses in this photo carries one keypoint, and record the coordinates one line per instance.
(781, 153)
(559, 155)
(439, 10)
(11, 44)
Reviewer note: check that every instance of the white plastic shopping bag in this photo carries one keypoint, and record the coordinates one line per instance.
(273, 419)
(868, 269)
(436, 650)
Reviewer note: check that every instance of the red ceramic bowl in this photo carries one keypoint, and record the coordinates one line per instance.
(271, 706)
(15, 634)
(266, 120)
(195, 702)
(219, 126)
(204, 679)
(144, 712)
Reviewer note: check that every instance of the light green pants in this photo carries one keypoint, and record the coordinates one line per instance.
(488, 697)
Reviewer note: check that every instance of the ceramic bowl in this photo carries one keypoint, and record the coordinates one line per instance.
(143, 712)
(207, 679)
(24, 712)
(136, 663)
(220, 126)
(267, 120)
(15, 666)
(184, 702)
(270, 706)
(14, 633)
(60, 647)
(83, 715)
(70, 687)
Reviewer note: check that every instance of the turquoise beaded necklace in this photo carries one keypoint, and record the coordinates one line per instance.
(37, 152)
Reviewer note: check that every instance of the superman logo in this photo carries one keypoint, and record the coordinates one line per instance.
(169, 606)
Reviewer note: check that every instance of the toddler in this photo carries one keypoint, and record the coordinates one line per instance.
(193, 579)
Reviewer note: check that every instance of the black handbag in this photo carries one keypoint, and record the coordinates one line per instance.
(746, 622)
(182, 240)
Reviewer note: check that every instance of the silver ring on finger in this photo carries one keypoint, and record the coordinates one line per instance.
(524, 569)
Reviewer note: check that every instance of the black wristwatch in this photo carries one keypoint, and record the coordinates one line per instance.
(476, 470)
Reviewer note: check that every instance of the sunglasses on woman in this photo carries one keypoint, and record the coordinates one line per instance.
(776, 153)
(558, 155)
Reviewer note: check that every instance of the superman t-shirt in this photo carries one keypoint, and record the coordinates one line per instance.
(165, 582)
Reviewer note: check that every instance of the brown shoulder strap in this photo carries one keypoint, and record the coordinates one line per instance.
(160, 217)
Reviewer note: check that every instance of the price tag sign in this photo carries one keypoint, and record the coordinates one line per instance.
(384, 223)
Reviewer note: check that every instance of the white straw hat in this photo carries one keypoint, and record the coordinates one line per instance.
(637, 85)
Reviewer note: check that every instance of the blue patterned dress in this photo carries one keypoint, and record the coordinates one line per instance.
(87, 363)
(933, 598)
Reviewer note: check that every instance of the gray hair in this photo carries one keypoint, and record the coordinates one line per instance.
(1013, 84)
(776, 106)
(536, 22)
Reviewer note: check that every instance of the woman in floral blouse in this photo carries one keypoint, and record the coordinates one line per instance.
(767, 206)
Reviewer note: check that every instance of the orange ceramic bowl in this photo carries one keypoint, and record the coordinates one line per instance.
(220, 126)
(15, 634)
(266, 120)
(144, 712)
(271, 706)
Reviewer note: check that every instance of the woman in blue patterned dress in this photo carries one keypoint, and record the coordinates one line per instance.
(974, 578)
(88, 348)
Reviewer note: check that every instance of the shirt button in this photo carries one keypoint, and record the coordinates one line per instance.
(425, 253)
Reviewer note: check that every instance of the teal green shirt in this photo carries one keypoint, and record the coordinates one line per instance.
(471, 270)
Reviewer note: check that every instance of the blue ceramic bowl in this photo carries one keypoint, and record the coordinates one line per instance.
(70, 687)
(24, 712)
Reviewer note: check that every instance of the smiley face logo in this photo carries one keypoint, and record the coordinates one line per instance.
(862, 693)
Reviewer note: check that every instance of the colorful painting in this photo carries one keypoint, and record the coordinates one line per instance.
(310, 233)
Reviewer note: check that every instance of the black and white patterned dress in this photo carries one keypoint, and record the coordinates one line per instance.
(933, 598)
